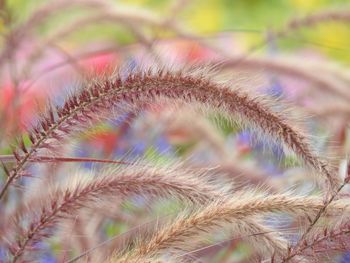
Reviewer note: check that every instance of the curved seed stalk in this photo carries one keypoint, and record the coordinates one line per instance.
(140, 88)
(326, 241)
(123, 182)
(281, 66)
(341, 15)
(217, 214)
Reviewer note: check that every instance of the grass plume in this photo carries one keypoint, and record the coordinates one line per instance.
(120, 183)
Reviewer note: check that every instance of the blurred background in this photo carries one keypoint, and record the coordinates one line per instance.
(271, 47)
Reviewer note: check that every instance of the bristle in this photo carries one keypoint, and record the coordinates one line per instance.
(22, 145)
(7, 172)
(18, 158)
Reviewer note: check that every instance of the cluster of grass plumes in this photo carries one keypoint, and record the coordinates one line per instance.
(132, 93)
(245, 180)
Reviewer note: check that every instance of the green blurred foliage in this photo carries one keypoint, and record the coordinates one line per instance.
(250, 18)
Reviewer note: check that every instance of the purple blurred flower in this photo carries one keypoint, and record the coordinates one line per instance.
(47, 258)
(162, 144)
(345, 258)
(275, 89)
